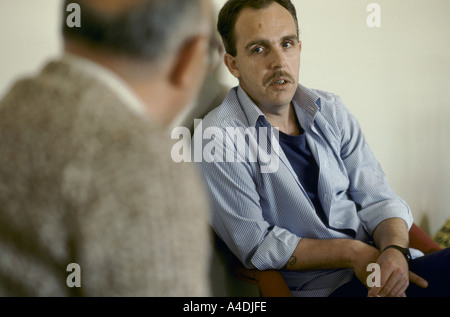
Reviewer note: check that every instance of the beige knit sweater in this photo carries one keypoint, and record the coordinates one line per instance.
(85, 180)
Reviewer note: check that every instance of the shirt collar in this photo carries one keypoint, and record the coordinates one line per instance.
(306, 99)
(309, 102)
(110, 79)
(251, 110)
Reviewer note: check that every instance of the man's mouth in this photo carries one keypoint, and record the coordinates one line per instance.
(279, 82)
(279, 79)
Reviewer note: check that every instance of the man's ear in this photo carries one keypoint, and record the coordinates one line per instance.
(230, 63)
(188, 61)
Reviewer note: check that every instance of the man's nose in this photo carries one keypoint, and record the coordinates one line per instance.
(277, 59)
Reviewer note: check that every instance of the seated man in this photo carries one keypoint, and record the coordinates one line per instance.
(322, 210)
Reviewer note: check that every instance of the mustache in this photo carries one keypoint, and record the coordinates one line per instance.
(277, 75)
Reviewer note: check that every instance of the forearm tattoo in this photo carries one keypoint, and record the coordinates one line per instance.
(291, 262)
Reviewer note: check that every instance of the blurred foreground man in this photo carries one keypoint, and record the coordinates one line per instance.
(91, 203)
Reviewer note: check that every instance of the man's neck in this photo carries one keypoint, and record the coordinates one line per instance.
(147, 88)
(285, 121)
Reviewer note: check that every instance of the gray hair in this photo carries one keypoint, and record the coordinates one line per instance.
(149, 30)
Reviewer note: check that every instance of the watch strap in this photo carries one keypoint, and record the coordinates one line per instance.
(405, 251)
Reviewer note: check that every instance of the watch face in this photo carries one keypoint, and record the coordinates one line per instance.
(408, 255)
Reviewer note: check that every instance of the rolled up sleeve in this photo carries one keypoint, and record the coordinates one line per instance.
(275, 250)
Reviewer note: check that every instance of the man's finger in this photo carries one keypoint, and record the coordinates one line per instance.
(416, 279)
(373, 292)
(395, 285)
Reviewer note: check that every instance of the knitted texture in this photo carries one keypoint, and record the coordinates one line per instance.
(84, 180)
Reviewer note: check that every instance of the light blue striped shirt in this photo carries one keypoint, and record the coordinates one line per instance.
(262, 216)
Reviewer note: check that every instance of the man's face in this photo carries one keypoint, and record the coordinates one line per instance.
(267, 62)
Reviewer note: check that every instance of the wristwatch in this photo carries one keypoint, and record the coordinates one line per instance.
(404, 251)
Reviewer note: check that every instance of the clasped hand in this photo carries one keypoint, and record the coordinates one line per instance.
(395, 274)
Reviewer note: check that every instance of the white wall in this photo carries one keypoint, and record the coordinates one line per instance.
(29, 36)
(395, 79)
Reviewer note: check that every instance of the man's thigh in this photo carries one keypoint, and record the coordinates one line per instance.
(435, 268)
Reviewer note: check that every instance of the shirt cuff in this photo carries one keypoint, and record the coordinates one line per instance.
(275, 250)
(373, 215)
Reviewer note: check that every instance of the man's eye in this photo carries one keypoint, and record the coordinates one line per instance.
(258, 50)
(287, 44)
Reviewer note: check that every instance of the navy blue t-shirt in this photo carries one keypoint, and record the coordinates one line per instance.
(298, 152)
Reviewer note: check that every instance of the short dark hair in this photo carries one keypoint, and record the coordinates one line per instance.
(148, 30)
(230, 12)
